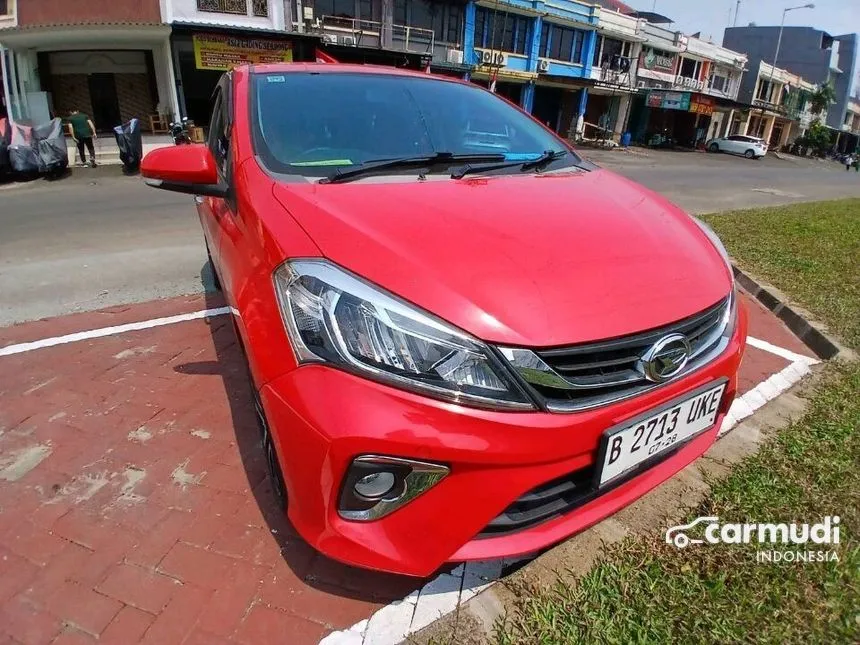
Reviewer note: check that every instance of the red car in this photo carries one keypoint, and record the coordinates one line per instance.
(465, 341)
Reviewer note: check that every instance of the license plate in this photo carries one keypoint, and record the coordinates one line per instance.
(627, 447)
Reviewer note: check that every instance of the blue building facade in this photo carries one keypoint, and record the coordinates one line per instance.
(537, 54)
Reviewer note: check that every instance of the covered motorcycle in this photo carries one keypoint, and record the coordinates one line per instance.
(49, 141)
(23, 155)
(5, 165)
(128, 139)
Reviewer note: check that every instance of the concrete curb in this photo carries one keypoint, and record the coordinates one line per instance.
(801, 323)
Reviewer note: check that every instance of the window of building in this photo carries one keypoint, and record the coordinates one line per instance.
(501, 30)
(4, 7)
(562, 43)
(720, 83)
(764, 90)
(690, 68)
(344, 9)
(607, 48)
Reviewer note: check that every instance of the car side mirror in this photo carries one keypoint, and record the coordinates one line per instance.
(183, 169)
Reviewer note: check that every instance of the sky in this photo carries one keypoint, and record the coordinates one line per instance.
(711, 17)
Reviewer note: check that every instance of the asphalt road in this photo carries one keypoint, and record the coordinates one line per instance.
(98, 239)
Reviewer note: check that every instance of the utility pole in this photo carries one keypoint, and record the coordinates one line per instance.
(776, 54)
(737, 11)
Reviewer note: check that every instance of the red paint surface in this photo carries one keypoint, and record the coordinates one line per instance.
(537, 260)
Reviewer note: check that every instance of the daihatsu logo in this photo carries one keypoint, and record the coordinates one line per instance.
(666, 358)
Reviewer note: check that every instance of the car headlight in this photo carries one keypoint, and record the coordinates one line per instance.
(335, 317)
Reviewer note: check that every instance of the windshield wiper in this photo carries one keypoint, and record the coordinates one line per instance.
(538, 163)
(446, 158)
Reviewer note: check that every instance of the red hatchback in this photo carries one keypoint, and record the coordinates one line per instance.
(465, 341)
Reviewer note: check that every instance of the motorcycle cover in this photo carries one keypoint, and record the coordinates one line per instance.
(130, 143)
(22, 154)
(5, 166)
(50, 144)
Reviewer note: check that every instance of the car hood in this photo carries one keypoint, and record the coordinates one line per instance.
(537, 260)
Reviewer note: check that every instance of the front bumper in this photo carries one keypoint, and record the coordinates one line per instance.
(322, 418)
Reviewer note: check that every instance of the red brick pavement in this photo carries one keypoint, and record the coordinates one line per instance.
(134, 504)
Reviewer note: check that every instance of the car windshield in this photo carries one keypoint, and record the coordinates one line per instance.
(311, 124)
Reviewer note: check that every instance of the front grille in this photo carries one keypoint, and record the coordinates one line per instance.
(594, 374)
(550, 500)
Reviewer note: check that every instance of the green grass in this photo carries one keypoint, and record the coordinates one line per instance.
(809, 251)
(644, 591)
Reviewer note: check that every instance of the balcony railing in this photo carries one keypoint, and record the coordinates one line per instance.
(773, 107)
(369, 33)
(239, 7)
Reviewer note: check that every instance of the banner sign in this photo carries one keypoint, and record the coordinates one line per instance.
(702, 105)
(656, 60)
(669, 100)
(222, 53)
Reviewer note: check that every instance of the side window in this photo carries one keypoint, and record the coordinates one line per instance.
(218, 141)
(736, 137)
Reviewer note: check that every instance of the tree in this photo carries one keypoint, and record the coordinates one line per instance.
(817, 138)
(822, 98)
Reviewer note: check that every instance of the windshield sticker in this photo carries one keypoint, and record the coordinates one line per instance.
(276, 79)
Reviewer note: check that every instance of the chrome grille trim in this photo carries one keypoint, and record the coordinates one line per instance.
(581, 377)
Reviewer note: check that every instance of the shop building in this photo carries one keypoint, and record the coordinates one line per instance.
(536, 54)
(107, 58)
(717, 85)
(848, 138)
(210, 37)
(688, 89)
(780, 106)
(613, 74)
(809, 53)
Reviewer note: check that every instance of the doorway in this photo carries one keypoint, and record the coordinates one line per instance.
(547, 106)
(106, 114)
(776, 135)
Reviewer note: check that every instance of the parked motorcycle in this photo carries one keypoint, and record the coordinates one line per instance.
(179, 132)
(130, 144)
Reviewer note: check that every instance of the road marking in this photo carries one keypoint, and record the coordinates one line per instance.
(787, 354)
(110, 331)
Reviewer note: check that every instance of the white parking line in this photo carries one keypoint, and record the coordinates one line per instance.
(787, 354)
(110, 331)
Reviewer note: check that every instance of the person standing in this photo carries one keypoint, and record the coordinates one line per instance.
(83, 132)
(849, 161)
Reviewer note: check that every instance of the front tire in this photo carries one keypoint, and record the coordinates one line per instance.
(714, 147)
(216, 281)
(273, 466)
(276, 476)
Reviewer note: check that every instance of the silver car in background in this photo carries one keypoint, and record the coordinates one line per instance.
(739, 144)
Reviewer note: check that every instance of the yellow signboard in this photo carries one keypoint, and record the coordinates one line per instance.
(223, 53)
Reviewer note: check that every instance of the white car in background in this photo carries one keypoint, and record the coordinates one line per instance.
(739, 144)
